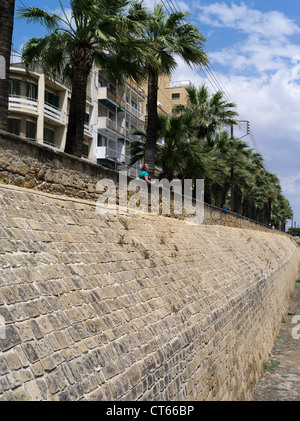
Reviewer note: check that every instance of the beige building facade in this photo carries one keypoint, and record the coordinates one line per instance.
(171, 93)
(39, 107)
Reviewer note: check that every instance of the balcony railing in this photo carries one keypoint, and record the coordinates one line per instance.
(179, 84)
(138, 89)
(88, 130)
(135, 112)
(107, 123)
(104, 94)
(103, 152)
(20, 103)
(52, 145)
(54, 113)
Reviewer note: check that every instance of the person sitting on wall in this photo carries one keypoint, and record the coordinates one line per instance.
(144, 175)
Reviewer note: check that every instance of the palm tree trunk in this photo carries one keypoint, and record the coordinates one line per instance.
(269, 211)
(81, 62)
(238, 198)
(152, 120)
(232, 189)
(207, 191)
(7, 11)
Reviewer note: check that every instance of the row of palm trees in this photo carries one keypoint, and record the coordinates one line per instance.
(122, 37)
(198, 143)
(125, 39)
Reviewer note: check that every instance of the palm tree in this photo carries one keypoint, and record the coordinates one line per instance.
(234, 153)
(98, 31)
(7, 11)
(281, 211)
(178, 133)
(212, 111)
(181, 154)
(166, 36)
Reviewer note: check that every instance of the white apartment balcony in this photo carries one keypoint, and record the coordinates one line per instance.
(54, 114)
(23, 104)
(136, 88)
(104, 152)
(135, 112)
(110, 127)
(88, 131)
(110, 99)
(179, 84)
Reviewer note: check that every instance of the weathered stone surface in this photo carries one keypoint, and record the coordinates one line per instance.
(88, 318)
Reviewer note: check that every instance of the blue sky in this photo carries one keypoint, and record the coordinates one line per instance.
(254, 52)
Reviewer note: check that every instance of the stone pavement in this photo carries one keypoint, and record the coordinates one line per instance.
(133, 307)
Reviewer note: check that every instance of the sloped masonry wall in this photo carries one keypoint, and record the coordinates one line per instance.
(133, 307)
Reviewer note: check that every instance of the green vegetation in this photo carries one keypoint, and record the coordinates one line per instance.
(146, 254)
(124, 223)
(294, 231)
(166, 36)
(197, 145)
(271, 365)
(97, 31)
(121, 241)
(174, 308)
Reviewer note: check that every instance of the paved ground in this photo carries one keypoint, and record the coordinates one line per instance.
(281, 378)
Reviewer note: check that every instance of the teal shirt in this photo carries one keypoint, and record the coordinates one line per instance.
(144, 174)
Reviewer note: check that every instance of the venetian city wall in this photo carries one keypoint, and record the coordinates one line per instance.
(133, 307)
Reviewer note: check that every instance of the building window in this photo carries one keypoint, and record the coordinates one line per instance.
(85, 150)
(48, 136)
(30, 130)
(51, 99)
(14, 87)
(102, 111)
(14, 126)
(32, 91)
(176, 96)
(102, 83)
(102, 140)
(112, 116)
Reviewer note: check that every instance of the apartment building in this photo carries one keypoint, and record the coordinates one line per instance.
(38, 110)
(120, 112)
(171, 93)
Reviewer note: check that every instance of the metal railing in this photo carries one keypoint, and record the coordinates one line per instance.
(21, 103)
(88, 130)
(135, 112)
(217, 216)
(54, 113)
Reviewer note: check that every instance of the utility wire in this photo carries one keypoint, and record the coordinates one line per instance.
(211, 75)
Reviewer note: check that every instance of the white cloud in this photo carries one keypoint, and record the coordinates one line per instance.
(242, 18)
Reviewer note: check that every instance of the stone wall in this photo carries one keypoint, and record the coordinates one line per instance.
(27, 164)
(133, 307)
